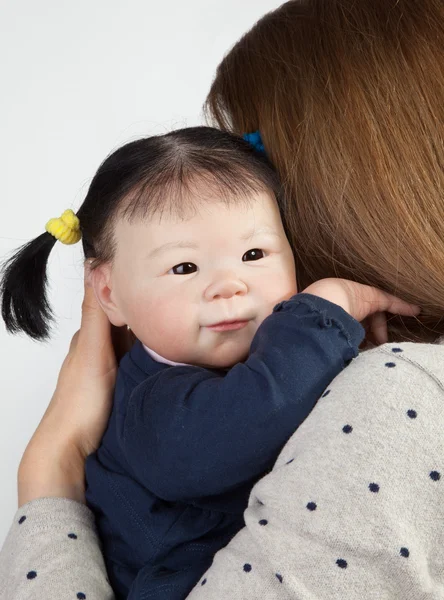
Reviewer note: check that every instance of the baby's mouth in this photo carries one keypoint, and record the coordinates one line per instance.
(228, 325)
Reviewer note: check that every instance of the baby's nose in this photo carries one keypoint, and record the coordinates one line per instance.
(226, 286)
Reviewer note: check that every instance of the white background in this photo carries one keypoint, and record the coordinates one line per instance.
(78, 79)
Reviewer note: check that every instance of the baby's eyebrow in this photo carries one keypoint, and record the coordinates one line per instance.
(171, 246)
(251, 233)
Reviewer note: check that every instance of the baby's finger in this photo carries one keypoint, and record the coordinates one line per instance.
(378, 328)
(396, 306)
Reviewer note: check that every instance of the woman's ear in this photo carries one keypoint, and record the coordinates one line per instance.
(101, 282)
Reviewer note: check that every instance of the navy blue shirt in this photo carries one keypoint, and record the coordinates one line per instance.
(185, 445)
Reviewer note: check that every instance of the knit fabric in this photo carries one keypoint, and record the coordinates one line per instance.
(352, 509)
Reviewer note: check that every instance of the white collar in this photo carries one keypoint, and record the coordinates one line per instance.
(161, 359)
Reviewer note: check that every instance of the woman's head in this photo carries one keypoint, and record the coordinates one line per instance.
(178, 226)
(349, 99)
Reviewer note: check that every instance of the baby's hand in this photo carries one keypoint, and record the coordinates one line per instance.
(363, 302)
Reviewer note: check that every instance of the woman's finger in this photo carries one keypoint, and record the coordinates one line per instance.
(122, 339)
(94, 336)
(93, 321)
(73, 343)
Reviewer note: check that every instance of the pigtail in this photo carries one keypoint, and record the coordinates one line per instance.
(23, 289)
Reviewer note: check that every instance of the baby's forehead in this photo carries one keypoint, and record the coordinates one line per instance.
(207, 221)
(202, 203)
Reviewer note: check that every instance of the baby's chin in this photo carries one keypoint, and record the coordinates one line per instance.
(223, 360)
(222, 356)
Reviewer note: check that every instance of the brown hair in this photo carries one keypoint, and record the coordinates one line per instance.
(349, 98)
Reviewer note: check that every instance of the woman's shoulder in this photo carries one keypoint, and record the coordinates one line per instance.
(402, 366)
(427, 358)
(388, 387)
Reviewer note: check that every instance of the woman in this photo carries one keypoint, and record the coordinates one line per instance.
(348, 98)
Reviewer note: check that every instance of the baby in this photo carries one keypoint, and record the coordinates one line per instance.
(190, 252)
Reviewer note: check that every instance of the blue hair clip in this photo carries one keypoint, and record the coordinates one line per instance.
(255, 140)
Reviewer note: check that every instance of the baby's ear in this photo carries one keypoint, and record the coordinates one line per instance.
(101, 282)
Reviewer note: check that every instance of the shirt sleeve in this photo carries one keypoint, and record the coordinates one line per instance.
(354, 505)
(52, 551)
(191, 432)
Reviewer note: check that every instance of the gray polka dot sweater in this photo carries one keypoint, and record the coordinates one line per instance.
(353, 508)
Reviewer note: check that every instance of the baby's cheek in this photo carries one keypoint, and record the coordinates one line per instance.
(280, 287)
(166, 326)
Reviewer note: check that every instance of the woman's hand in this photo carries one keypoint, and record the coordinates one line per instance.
(73, 425)
(364, 303)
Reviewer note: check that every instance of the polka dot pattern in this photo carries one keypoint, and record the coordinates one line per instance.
(311, 506)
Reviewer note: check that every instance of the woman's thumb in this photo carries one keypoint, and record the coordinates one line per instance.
(94, 322)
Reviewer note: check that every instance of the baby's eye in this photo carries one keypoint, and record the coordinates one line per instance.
(183, 269)
(254, 254)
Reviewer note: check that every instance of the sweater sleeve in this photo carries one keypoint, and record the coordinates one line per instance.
(52, 551)
(191, 432)
(354, 505)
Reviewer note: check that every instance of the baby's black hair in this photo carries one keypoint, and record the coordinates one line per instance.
(143, 178)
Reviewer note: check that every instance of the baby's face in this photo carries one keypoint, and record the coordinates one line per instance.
(196, 290)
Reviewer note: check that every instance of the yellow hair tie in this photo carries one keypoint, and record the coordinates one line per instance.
(66, 228)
